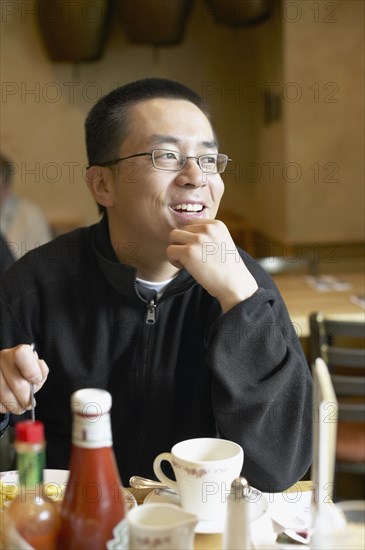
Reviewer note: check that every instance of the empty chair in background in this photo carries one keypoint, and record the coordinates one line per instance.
(341, 345)
(324, 419)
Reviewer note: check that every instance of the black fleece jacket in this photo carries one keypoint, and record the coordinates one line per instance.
(194, 372)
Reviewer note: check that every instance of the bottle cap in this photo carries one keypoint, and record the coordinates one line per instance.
(27, 431)
(240, 488)
(91, 402)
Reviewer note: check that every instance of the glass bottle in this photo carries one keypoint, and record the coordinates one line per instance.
(94, 503)
(34, 517)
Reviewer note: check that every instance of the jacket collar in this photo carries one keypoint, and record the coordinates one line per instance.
(122, 276)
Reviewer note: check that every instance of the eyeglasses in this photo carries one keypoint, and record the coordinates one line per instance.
(173, 161)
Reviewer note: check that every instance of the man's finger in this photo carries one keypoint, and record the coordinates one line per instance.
(27, 363)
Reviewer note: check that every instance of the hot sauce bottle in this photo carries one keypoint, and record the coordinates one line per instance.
(94, 503)
(31, 515)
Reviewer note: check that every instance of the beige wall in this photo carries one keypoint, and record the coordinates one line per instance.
(324, 130)
(44, 105)
(265, 189)
(312, 159)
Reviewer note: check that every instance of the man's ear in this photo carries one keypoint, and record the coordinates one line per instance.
(100, 183)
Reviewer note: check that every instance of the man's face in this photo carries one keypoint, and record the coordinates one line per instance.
(148, 202)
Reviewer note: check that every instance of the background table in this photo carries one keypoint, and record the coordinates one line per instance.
(302, 300)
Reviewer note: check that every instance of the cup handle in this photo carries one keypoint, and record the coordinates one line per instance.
(159, 473)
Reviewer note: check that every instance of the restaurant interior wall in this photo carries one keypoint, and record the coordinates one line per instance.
(312, 156)
(248, 74)
(324, 131)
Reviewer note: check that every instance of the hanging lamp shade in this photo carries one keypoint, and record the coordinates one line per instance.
(157, 22)
(73, 31)
(236, 13)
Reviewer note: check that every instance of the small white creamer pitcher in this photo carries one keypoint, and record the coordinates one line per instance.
(162, 527)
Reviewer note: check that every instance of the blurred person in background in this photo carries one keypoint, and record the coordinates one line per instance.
(6, 258)
(23, 224)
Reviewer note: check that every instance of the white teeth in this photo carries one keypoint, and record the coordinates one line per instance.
(189, 207)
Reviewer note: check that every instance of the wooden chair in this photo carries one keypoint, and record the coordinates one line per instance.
(240, 228)
(324, 424)
(341, 345)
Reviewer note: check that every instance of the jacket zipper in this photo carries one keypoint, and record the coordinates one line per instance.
(151, 312)
(149, 320)
(151, 307)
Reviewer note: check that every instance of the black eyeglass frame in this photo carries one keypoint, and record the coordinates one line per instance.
(151, 154)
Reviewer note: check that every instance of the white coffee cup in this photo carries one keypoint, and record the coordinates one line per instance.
(204, 469)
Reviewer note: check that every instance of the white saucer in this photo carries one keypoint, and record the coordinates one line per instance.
(49, 476)
(59, 478)
(258, 506)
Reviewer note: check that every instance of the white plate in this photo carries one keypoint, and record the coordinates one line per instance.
(59, 478)
(49, 476)
(258, 505)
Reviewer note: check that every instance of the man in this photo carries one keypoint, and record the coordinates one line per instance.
(22, 223)
(155, 304)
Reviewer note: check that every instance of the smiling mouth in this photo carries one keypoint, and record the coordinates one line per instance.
(188, 207)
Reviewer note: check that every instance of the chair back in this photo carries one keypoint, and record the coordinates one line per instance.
(324, 334)
(340, 343)
(324, 424)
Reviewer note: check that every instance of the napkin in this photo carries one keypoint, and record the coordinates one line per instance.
(290, 510)
(327, 283)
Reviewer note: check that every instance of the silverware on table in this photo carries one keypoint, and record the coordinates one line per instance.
(139, 482)
(32, 402)
(32, 399)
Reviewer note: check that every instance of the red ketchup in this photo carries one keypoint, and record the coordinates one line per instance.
(94, 502)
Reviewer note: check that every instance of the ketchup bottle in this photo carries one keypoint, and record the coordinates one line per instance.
(93, 504)
(31, 515)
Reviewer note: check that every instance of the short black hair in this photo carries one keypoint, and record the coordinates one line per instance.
(107, 123)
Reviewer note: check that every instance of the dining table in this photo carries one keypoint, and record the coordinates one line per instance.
(332, 295)
(214, 541)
